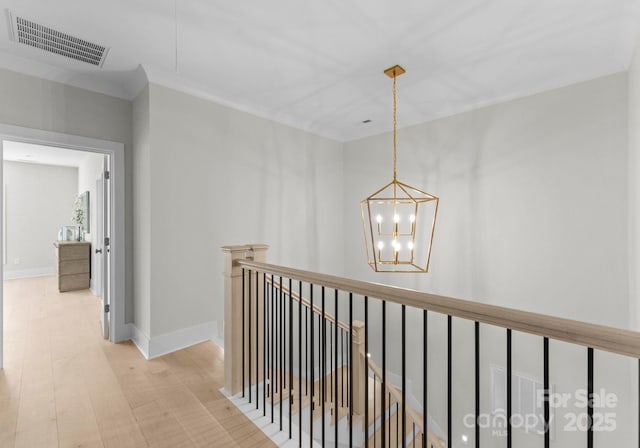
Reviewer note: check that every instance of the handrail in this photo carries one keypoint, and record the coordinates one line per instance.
(307, 304)
(614, 340)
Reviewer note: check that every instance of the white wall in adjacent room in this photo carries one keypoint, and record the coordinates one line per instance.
(39, 200)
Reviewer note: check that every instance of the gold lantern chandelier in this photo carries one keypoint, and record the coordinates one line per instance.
(398, 220)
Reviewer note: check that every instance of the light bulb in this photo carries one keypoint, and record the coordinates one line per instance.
(396, 245)
(380, 245)
(410, 245)
(379, 218)
(465, 439)
(412, 218)
(396, 218)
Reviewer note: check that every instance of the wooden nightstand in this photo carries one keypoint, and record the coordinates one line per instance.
(72, 265)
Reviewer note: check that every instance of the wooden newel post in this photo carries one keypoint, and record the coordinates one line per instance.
(360, 371)
(233, 312)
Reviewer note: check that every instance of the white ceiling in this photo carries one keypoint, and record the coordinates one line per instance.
(317, 64)
(43, 155)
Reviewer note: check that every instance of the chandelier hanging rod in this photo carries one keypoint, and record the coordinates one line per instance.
(393, 73)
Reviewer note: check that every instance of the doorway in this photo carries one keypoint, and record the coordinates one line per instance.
(111, 241)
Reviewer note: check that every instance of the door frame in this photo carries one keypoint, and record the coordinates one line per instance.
(119, 330)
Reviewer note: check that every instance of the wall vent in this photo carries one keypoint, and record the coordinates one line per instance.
(39, 36)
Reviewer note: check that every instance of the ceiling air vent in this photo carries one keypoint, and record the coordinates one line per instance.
(45, 38)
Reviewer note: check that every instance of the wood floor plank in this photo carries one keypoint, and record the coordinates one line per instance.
(180, 395)
(199, 368)
(77, 425)
(64, 386)
(36, 425)
(160, 427)
(117, 424)
(132, 372)
(9, 402)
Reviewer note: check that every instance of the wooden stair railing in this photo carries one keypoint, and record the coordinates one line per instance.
(238, 328)
(413, 417)
(300, 398)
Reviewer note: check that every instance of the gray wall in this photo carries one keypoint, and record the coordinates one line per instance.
(39, 200)
(634, 188)
(634, 199)
(533, 215)
(219, 176)
(41, 104)
(142, 222)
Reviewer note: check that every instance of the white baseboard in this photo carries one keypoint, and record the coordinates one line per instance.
(26, 273)
(140, 340)
(218, 336)
(171, 342)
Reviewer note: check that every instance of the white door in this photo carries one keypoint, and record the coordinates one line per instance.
(98, 241)
(102, 246)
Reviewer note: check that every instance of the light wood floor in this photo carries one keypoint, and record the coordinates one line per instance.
(64, 386)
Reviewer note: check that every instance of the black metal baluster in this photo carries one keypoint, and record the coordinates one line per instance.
(389, 432)
(264, 344)
(272, 351)
(323, 363)
(342, 371)
(313, 404)
(268, 343)
(590, 396)
(290, 355)
(306, 348)
(249, 337)
(449, 382)
(366, 372)
(374, 409)
(276, 344)
(300, 363)
(278, 321)
(257, 338)
(509, 389)
(330, 398)
(350, 390)
(477, 345)
(335, 355)
(383, 386)
(404, 373)
(243, 330)
(347, 338)
(547, 432)
(397, 427)
(425, 410)
(281, 364)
